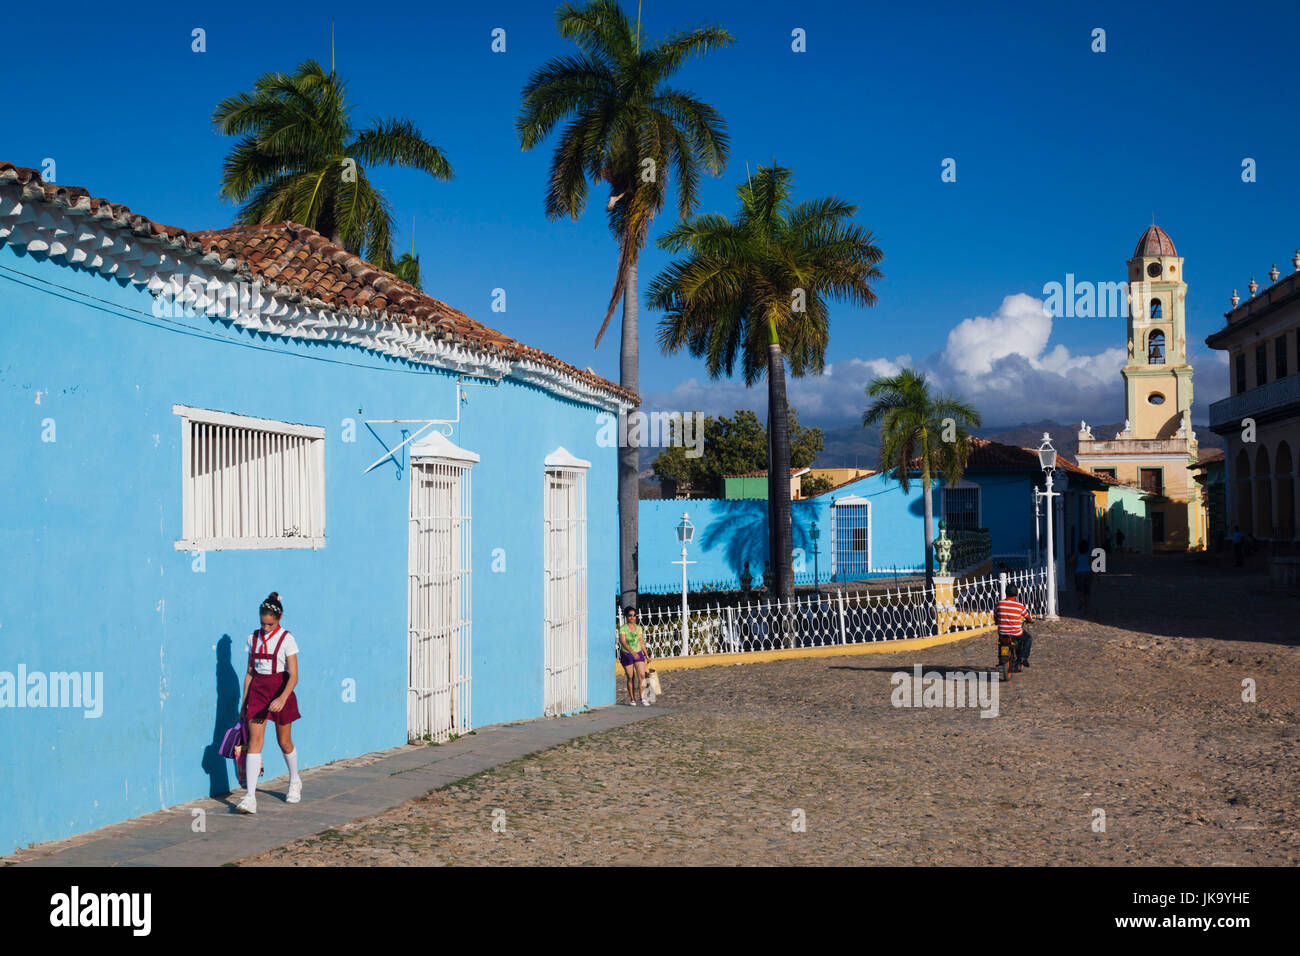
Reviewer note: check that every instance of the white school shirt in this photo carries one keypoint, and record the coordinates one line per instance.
(287, 649)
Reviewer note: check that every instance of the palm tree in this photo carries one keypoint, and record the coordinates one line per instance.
(407, 269)
(300, 159)
(918, 428)
(627, 127)
(759, 287)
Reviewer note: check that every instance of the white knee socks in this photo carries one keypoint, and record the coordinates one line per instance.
(291, 759)
(253, 770)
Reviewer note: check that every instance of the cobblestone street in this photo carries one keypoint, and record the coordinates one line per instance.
(1133, 712)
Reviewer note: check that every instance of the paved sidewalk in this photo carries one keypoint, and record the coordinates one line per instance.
(332, 794)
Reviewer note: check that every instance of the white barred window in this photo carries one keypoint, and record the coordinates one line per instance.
(851, 537)
(961, 507)
(250, 482)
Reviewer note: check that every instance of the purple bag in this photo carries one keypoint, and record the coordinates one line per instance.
(235, 737)
(235, 746)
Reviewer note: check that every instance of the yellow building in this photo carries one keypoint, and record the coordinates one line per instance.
(840, 476)
(1157, 447)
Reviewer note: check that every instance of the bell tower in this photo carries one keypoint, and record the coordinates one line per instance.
(1157, 378)
(1154, 451)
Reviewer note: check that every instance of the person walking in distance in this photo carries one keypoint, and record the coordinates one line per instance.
(632, 655)
(269, 686)
(1083, 575)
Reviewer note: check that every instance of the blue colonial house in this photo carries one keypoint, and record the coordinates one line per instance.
(869, 527)
(191, 420)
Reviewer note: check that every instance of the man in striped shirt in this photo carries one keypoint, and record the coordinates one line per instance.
(1011, 618)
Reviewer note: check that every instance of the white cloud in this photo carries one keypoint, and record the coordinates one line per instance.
(1001, 363)
(838, 394)
(1021, 326)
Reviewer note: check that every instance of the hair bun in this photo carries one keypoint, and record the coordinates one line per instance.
(275, 596)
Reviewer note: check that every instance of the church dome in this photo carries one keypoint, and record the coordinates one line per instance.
(1155, 242)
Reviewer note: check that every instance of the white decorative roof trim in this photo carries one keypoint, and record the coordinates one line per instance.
(850, 500)
(563, 458)
(71, 234)
(437, 445)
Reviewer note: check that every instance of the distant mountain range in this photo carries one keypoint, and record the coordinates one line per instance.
(853, 446)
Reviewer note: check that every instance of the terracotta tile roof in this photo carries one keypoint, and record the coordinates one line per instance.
(1154, 242)
(988, 455)
(1210, 455)
(289, 257)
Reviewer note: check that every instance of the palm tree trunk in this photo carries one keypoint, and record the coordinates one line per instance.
(778, 476)
(929, 513)
(628, 457)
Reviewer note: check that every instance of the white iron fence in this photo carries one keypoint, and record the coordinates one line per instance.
(811, 620)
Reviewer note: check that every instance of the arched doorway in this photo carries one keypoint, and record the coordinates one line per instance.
(1245, 506)
(1284, 491)
(1263, 495)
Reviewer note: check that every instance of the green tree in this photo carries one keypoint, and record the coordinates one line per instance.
(758, 287)
(407, 269)
(300, 159)
(919, 430)
(626, 127)
(805, 443)
(817, 485)
(732, 446)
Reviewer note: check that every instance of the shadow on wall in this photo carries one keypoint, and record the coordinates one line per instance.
(229, 690)
(741, 530)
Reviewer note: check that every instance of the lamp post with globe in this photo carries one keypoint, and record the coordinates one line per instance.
(685, 532)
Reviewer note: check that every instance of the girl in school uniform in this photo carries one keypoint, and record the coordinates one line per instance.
(268, 694)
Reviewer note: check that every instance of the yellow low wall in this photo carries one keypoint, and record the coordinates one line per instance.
(795, 653)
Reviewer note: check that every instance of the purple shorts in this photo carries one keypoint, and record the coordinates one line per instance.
(630, 659)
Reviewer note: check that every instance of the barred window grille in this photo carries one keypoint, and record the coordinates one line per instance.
(961, 508)
(565, 535)
(438, 641)
(250, 482)
(851, 534)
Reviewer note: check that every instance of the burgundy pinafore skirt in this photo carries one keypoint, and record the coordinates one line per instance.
(267, 687)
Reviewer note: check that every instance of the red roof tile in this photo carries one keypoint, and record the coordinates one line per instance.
(988, 455)
(326, 275)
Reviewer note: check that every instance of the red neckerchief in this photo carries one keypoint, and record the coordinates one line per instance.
(266, 638)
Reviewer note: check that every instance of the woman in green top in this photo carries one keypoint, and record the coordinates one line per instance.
(632, 654)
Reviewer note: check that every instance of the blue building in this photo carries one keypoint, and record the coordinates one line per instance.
(192, 420)
(866, 527)
(870, 527)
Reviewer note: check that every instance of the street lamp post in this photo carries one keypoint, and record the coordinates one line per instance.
(1038, 541)
(1047, 459)
(815, 533)
(685, 531)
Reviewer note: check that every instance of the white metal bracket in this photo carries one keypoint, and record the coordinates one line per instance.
(428, 423)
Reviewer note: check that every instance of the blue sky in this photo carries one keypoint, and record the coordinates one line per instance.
(1062, 156)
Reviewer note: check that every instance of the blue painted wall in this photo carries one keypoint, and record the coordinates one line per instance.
(92, 582)
(1006, 509)
(730, 532)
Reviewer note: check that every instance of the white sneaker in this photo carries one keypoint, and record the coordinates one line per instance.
(644, 702)
(248, 804)
(295, 791)
(631, 703)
